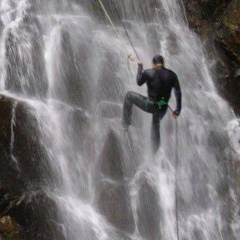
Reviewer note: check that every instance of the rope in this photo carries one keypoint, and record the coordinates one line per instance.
(125, 29)
(116, 31)
(176, 182)
(176, 178)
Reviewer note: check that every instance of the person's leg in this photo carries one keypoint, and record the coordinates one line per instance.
(138, 100)
(155, 131)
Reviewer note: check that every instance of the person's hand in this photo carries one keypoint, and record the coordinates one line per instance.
(175, 114)
(139, 63)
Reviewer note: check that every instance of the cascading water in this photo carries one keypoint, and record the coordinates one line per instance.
(68, 67)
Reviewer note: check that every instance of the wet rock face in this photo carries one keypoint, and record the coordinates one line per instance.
(25, 72)
(26, 150)
(218, 21)
(148, 212)
(25, 215)
(23, 156)
(112, 193)
(22, 162)
(113, 196)
(114, 203)
(112, 158)
(199, 11)
(8, 176)
(71, 82)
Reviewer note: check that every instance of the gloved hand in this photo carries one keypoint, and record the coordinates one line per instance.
(176, 114)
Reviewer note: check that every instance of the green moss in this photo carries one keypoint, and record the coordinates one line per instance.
(9, 229)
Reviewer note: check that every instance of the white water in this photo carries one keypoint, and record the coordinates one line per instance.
(70, 68)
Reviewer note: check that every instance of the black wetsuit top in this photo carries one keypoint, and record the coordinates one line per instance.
(160, 82)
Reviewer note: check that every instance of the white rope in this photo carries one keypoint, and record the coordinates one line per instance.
(115, 30)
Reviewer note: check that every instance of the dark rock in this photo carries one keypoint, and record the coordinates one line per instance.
(23, 166)
(82, 132)
(229, 88)
(111, 160)
(114, 203)
(30, 156)
(10, 229)
(110, 85)
(36, 212)
(9, 173)
(112, 195)
(18, 78)
(22, 155)
(30, 213)
(218, 22)
(68, 75)
(149, 211)
(117, 160)
(8, 225)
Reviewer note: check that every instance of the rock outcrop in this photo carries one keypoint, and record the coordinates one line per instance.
(149, 219)
(28, 76)
(112, 193)
(9, 229)
(25, 209)
(218, 23)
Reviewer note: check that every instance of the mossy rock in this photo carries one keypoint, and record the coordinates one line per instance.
(9, 229)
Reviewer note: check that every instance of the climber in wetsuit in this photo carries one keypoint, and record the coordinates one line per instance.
(160, 82)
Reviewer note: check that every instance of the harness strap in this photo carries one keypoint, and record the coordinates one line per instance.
(159, 104)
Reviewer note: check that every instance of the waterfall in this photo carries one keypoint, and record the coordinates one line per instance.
(63, 64)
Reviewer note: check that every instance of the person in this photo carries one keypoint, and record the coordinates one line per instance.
(160, 82)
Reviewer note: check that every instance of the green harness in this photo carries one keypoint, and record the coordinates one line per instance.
(159, 104)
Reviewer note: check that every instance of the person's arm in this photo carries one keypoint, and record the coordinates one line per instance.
(141, 76)
(178, 95)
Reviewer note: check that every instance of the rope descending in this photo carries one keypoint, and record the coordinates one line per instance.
(129, 56)
(176, 177)
(125, 29)
(176, 182)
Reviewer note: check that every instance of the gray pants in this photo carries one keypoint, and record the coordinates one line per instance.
(146, 105)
